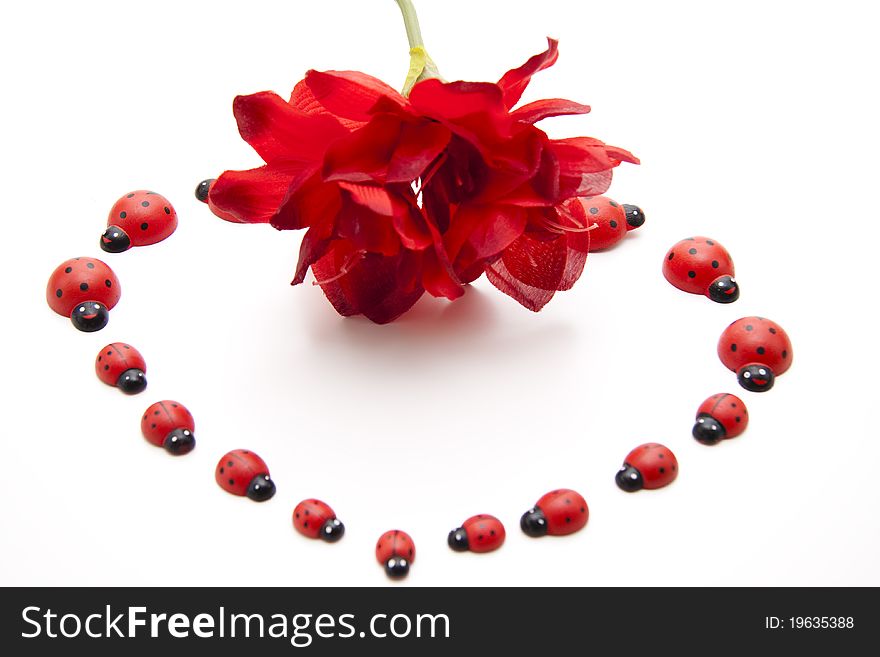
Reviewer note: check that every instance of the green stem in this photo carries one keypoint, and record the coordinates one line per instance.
(411, 22)
(421, 66)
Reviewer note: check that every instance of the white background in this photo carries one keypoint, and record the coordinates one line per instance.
(756, 123)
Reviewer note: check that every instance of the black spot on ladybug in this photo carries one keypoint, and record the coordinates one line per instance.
(58, 293)
(612, 204)
(613, 224)
(662, 470)
(673, 468)
(594, 210)
(480, 537)
(492, 533)
(307, 512)
(659, 456)
(108, 283)
(231, 482)
(145, 417)
(733, 347)
(106, 367)
(710, 242)
(714, 264)
(67, 270)
(692, 274)
(749, 327)
(110, 352)
(244, 451)
(785, 353)
(83, 286)
(155, 412)
(129, 195)
(670, 256)
(772, 330)
(410, 552)
(567, 519)
(222, 470)
(761, 350)
(738, 418)
(99, 358)
(167, 211)
(146, 204)
(692, 251)
(90, 265)
(153, 425)
(145, 225)
(306, 523)
(125, 346)
(583, 510)
(229, 463)
(567, 501)
(123, 215)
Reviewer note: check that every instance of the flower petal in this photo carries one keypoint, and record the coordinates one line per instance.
(304, 100)
(419, 144)
(477, 232)
(515, 81)
(405, 216)
(349, 94)
(279, 131)
(251, 196)
(531, 269)
(380, 287)
(310, 202)
(541, 109)
(312, 249)
(367, 231)
(363, 156)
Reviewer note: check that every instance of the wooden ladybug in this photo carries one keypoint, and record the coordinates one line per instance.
(757, 349)
(482, 533)
(242, 472)
(138, 219)
(315, 519)
(613, 220)
(122, 365)
(557, 513)
(720, 416)
(648, 466)
(170, 425)
(700, 265)
(84, 289)
(395, 551)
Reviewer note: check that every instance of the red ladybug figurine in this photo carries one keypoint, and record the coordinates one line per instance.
(242, 472)
(612, 219)
(170, 425)
(757, 349)
(557, 513)
(648, 466)
(700, 265)
(84, 289)
(395, 551)
(482, 533)
(122, 365)
(137, 219)
(315, 519)
(719, 417)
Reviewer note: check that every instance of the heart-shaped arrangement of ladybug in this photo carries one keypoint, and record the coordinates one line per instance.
(531, 236)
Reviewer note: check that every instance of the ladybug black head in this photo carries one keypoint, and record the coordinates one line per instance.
(115, 240)
(634, 216)
(396, 567)
(756, 377)
(629, 479)
(533, 523)
(261, 488)
(203, 188)
(708, 430)
(132, 381)
(179, 442)
(458, 540)
(90, 316)
(332, 530)
(724, 289)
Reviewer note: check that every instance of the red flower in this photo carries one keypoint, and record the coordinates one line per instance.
(345, 153)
